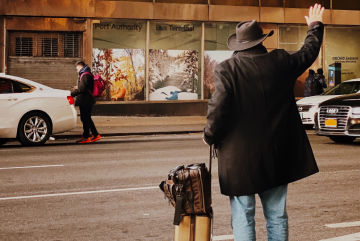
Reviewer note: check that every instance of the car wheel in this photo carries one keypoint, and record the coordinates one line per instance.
(3, 141)
(34, 129)
(342, 139)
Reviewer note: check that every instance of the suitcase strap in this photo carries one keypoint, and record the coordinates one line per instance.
(177, 216)
(192, 228)
(211, 156)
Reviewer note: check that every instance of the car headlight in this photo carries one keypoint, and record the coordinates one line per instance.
(356, 111)
(314, 108)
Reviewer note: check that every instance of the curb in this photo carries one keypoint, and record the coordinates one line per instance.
(131, 134)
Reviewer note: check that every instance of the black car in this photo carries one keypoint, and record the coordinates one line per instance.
(339, 118)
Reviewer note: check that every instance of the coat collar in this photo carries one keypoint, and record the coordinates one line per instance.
(259, 49)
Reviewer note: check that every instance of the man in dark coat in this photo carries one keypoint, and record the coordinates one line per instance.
(85, 101)
(254, 122)
(308, 82)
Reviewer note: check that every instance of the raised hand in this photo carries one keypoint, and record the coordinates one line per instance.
(315, 14)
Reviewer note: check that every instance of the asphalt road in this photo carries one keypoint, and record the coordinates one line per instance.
(108, 190)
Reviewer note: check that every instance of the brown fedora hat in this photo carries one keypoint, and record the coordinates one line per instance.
(248, 34)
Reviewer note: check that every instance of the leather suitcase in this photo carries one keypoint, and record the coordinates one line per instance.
(194, 228)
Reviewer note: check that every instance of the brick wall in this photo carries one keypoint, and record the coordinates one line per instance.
(57, 73)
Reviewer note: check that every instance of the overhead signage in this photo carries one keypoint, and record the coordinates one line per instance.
(185, 28)
(117, 26)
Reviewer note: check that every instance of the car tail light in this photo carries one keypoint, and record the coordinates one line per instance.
(71, 100)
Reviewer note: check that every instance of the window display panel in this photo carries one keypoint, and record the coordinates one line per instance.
(174, 60)
(216, 51)
(119, 58)
(342, 46)
(291, 39)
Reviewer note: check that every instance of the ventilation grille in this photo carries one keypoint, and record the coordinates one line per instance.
(45, 44)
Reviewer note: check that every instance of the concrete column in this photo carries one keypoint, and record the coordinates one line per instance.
(88, 43)
(2, 44)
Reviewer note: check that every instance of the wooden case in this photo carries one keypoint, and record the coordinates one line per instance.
(194, 228)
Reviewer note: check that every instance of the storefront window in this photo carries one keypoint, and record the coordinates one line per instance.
(342, 46)
(119, 58)
(174, 61)
(291, 39)
(216, 51)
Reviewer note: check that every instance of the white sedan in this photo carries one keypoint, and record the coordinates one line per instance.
(309, 106)
(31, 112)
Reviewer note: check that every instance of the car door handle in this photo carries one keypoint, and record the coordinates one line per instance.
(15, 98)
(9, 98)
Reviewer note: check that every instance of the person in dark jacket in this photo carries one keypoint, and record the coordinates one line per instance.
(309, 80)
(85, 101)
(320, 78)
(254, 123)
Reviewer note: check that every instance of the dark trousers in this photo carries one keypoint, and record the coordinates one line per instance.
(85, 116)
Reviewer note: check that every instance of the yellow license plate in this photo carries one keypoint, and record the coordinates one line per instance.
(331, 123)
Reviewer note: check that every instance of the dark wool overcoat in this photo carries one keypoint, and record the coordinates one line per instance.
(253, 118)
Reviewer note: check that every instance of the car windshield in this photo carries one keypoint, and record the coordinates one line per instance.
(344, 89)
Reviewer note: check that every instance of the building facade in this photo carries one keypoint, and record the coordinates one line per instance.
(158, 56)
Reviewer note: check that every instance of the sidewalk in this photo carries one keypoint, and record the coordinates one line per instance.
(122, 126)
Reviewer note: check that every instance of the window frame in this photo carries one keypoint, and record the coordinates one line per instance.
(38, 38)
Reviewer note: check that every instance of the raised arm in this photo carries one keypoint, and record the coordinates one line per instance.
(306, 56)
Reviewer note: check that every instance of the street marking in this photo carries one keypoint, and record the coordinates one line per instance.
(343, 225)
(9, 168)
(223, 237)
(356, 170)
(76, 193)
(351, 237)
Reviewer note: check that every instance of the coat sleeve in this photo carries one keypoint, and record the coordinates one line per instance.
(219, 106)
(306, 56)
(82, 86)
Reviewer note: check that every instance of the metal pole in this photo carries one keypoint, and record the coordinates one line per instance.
(147, 79)
(202, 58)
(6, 43)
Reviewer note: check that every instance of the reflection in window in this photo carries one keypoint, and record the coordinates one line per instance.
(21, 88)
(342, 46)
(174, 60)
(9, 86)
(216, 51)
(344, 89)
(119, 58)
(5, 86)
(291, 38)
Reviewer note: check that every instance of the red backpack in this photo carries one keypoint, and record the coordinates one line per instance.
(99, 85)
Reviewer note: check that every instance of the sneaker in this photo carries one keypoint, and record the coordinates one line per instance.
(93, 139)
(84, 140)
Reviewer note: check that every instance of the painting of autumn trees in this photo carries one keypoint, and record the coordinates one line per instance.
(124, 72)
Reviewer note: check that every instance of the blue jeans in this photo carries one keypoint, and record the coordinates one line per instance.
(274, 206)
